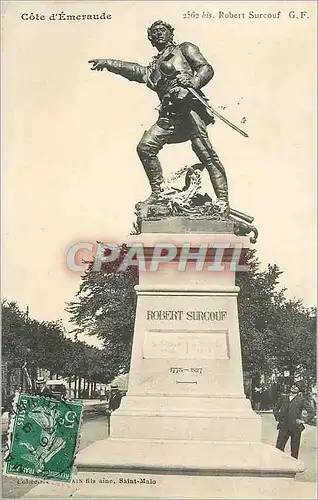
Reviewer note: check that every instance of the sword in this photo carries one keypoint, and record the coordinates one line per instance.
(216, 113)
(169, 71)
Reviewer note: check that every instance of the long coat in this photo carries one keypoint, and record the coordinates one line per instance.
(287, 412)
(115, 400)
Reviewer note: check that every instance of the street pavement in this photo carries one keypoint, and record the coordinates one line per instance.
(307, 452)
(95, 427)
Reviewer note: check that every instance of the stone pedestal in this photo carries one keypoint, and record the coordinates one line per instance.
(185, 428)
(186, 379)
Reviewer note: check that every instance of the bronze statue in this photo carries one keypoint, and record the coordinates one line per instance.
(172, 73)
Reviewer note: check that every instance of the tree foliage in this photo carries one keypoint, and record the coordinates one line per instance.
(106, 307)
(45, 345)
(275, 332)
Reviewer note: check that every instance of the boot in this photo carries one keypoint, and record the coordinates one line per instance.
(154, 197)
(209, 158)
(153, 170)
(219, 182)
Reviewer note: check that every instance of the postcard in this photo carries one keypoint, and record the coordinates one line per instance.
(159, 241)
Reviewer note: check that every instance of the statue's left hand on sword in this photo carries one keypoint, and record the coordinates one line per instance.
(185, 80)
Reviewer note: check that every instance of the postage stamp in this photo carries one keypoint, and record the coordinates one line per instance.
(43, 438)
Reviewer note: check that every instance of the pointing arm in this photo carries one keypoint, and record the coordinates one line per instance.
(132, 71)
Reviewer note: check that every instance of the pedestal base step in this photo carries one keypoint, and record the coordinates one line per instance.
(160, 487)
(187, 457)
(159, 469)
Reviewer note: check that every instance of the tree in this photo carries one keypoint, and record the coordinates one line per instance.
(106, 308)
(47, 345)
(275, 332)
(294, 342)
(15, 336)
(258, 304)
(44, 345)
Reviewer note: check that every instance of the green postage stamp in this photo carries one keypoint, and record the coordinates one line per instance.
(43, 438)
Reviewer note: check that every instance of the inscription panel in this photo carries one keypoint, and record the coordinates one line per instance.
(167, 344)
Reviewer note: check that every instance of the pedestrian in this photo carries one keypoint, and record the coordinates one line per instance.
(314, 396)
(40, 387)
(9, 402)
(3, 401)
(273, 394)
(288, 413)
(115, 398)
(107, 394)
(265, 399)
(257, 397)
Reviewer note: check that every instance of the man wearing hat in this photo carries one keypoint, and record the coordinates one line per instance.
(40, 387)
(115, 398)
(288, 414)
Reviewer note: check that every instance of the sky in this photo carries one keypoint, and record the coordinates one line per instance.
(70, 172)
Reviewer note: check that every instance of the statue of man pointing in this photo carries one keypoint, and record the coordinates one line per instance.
(182, 117)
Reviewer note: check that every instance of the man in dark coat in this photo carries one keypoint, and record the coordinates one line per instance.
(40, 389)
(115, 398)
(288, 413)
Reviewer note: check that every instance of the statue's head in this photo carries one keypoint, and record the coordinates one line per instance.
(160, 34)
